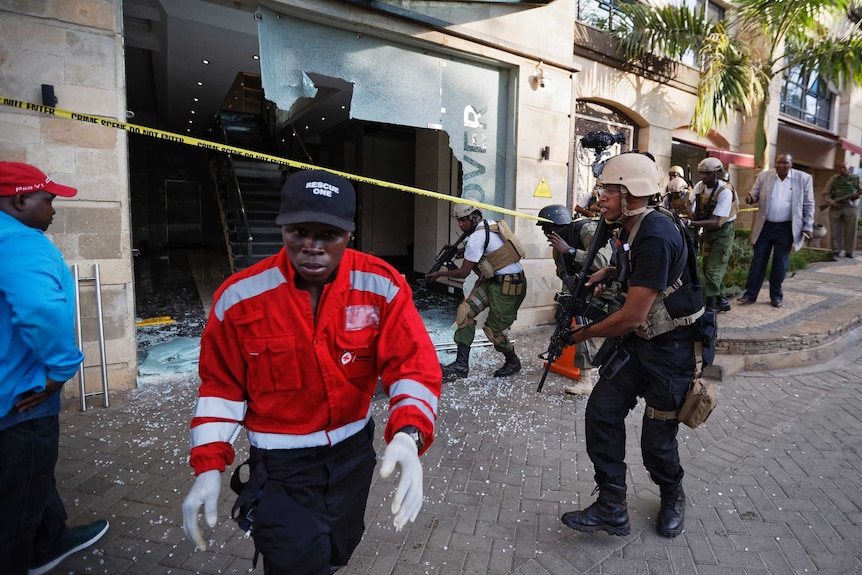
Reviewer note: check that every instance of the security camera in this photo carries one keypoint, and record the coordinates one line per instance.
(539, 79)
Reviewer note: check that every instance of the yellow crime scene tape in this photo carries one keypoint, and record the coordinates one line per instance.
(219, 147)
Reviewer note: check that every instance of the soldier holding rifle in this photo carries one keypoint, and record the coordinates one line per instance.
(655, 358)
(842, 198)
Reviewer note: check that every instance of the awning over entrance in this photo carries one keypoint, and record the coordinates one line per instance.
(728, 157)
(809, 146)
(851, 147)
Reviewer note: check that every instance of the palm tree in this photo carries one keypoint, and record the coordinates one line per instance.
(740, 57)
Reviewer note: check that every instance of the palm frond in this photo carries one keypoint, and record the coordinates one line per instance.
(837, 61)
(728, 82)
(666, 32)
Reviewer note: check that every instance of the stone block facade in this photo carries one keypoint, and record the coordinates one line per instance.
(77, 48)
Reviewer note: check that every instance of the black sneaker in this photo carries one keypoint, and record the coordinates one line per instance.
(75, 539)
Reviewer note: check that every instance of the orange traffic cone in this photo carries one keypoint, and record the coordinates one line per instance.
(565, 364)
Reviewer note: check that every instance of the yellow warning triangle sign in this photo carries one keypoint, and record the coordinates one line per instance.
(542, 190)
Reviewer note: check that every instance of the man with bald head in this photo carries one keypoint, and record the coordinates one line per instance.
(784, 220)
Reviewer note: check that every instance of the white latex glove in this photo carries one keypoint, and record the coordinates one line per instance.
(204, 492)
(408, 496)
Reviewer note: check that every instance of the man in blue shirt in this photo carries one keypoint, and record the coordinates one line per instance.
(38, 354)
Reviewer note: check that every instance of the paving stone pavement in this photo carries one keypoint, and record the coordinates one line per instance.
(772, 479)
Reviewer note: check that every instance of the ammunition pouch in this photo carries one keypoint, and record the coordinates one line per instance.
(700, 401)
(513, 284)
(484, 269)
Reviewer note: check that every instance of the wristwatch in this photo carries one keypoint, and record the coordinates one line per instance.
(572, 252)
(414, 434)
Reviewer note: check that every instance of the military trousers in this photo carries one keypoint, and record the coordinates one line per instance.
(842, 228)
(717, 247)
(502, 313)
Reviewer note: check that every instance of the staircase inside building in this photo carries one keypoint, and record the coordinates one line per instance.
(248, 190)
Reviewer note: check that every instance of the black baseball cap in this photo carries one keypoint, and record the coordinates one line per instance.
(317, 196)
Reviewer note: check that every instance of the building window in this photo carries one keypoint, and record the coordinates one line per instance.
(606, 15)
(715, 13)
(806, 97)
(601, 14)
(713, 10)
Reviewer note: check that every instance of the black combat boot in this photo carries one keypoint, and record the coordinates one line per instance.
(710, 304)
(510, 367)
(609, 513)
(671, 515)
(722, 303)
(461, 366)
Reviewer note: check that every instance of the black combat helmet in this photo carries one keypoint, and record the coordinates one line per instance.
(560, 215)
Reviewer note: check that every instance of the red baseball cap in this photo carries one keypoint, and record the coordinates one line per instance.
(17, 178)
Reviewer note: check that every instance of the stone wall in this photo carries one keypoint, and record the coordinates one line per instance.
(77, 47)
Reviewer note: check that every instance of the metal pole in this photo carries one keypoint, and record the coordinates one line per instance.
(101, 335)
(79, 337)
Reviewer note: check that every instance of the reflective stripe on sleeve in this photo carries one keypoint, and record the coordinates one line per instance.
(414, 389)
(416, 403)
(374, 283)
(214, 432)
(219, 408)
(316, 439)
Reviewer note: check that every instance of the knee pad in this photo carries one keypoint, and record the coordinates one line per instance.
(464, 315)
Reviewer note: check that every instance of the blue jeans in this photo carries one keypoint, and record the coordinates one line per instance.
(32, 515)
(775, 238)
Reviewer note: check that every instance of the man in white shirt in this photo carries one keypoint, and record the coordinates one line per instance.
(785, 220)
(714, 210)
(493, 253)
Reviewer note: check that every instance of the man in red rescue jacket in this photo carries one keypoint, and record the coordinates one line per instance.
(292, 351)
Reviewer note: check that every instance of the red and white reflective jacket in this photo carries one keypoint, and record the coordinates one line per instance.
(294, 382)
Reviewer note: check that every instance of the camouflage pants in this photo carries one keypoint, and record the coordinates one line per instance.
(502, 313)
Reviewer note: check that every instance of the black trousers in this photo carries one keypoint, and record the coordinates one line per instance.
(311, 512)
(660, 371)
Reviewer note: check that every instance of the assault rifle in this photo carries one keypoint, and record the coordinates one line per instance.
(444, 258)
(838, 200)
(578, 302)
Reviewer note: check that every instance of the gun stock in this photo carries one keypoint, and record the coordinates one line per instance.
(444, 258)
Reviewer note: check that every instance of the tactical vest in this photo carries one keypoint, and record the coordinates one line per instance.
(679, 205)
(509, 253)
(844, 187)
(573, 238)
(704, 207)
(679, 304)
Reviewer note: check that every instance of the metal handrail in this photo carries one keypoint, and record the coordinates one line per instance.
(235, 204)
